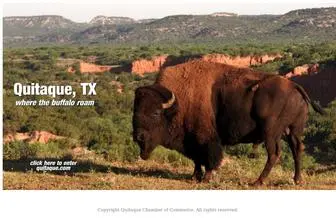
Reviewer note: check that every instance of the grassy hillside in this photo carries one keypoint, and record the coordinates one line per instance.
(306, 25)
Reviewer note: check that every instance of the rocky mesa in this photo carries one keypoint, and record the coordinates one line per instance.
(155, 64)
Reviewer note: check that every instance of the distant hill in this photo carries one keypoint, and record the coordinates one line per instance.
(317, 24)
(103, 20)
(36, 29)
(35, 25)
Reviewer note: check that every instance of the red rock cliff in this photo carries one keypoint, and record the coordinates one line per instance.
(304, 69)
(148, 66)
(239, 61)
(156, 63)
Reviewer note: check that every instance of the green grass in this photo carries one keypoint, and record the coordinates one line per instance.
(94, 172)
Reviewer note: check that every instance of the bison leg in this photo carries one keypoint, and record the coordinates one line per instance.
(297, 148)
(214, 160)
(198, 174)
(273, 147)
(208, 175)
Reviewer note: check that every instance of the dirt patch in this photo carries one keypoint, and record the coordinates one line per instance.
(90, 68)
(119, 86)
(79, 151)
(32, 137)
(66, 62)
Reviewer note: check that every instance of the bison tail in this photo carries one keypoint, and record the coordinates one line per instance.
(304, 94)
(317, 108)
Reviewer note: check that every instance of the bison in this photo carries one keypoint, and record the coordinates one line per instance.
(196, 107)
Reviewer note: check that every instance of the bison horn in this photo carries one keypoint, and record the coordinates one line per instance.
(169, 103)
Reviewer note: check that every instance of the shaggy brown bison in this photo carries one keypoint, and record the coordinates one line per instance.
(197, 107)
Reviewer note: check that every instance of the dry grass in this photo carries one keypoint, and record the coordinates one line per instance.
(101, 175)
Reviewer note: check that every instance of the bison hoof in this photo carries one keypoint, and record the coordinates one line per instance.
(208, 177)
(197, 176)
(257, 183)
(299, 182)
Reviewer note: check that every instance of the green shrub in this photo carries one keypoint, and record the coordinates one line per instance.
(320, 135)
(124, 153)
(19, 150)
(22, 150)
(11, 151)
(163, 155)
(239, 150)
(287, 161)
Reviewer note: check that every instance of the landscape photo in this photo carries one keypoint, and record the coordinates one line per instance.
(218, 101)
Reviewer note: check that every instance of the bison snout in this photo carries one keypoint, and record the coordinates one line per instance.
(140, 137)
(144, 155)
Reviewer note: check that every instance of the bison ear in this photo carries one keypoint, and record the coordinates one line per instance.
(170, 103)
(140, 91)
(170, 112)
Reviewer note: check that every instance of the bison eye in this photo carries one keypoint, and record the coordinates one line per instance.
(156, 113)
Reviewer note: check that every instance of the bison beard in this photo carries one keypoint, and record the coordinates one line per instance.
(197, 107)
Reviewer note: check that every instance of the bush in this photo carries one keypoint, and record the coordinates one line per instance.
(22, 150)
(320, 135)
(19, 150)
(125, 153)
(287, 161)
(11, 151)
(239, 150)
(163, 155)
